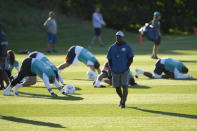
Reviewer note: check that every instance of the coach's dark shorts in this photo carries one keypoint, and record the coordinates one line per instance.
(97, 31)
(70, 55)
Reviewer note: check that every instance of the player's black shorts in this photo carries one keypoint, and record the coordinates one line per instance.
(70, 55)
(33, 55)
(24, 71)
(106, 69)
(26, 68)
(97, 31)
(159, 68)
(96, 65)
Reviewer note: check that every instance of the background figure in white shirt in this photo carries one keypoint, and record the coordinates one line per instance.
(98, 22)
(172, 68)
(51, 28)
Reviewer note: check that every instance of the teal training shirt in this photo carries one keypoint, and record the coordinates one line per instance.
(170, 64)
(47, 61)
(38, 67)
(86, 56)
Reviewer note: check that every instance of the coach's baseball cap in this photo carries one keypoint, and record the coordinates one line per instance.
(156, 13)
(120, 33)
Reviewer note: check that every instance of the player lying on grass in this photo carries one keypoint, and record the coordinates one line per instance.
(33, 67)
(171, 68)
(78, 53)
(106, 73)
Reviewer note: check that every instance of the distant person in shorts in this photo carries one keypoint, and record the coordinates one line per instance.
(97, 22)
(155, 23)
(51, 28)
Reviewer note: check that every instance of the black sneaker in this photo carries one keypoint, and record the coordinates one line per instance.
(122, 106)
(53, 94)
(101, 86)
(154, 57)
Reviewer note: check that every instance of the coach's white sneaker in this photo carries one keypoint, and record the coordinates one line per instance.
(6, 92)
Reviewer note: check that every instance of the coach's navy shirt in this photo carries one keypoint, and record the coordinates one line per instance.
(119, 56)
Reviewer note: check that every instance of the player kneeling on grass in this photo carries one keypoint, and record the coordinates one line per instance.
(33, 67)
(76, 53)
(106, 73)
(172, 68)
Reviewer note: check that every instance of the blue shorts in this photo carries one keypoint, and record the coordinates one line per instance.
(52, 38)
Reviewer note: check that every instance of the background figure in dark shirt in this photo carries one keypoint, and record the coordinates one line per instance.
(120, 57)
(155, 23)
(3, 56)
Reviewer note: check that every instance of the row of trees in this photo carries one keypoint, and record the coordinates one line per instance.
(177, 15)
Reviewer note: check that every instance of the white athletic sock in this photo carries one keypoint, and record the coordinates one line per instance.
(8, 88)
(19, 85)
(140, 71)
(97, 83)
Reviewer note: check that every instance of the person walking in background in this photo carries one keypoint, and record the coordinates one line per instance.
(3, 58)
(155, 23)
(98, 22)
(51, 28)
(120, 56)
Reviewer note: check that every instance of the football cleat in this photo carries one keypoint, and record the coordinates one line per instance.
(100, 86)
(7, 93)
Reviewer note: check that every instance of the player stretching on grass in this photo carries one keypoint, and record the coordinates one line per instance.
(172, 68)
(33, 67)
(106, 73)
(76, 53)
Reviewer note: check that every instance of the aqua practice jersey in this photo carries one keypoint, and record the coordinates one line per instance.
(86, 57)
(170, 64)
(38, 67)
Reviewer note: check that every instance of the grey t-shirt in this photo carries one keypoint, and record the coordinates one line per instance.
(51, 25)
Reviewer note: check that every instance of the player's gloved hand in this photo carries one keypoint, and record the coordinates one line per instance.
(190, 76)
(53, 94)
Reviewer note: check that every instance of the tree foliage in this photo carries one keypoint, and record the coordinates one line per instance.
(129, 14)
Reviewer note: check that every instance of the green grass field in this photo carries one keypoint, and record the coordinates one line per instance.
(161, 105)
(154, 105)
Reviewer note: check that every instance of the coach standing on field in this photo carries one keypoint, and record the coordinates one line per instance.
(120, 56)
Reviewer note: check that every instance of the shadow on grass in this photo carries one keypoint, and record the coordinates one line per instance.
(189, 61)
(81, 79)
(139, 87)
(33, 95)
(166, 113)
(32, 122)
(76, 88)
